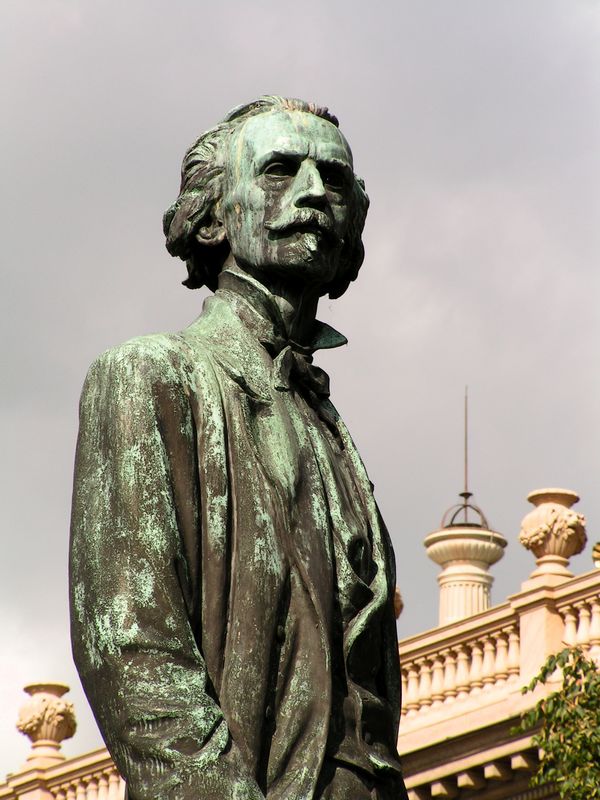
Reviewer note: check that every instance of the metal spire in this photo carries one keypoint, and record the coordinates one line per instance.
(466, 439)
(466, 494)
(454, 513)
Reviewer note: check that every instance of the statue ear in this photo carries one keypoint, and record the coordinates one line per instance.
(212, 232)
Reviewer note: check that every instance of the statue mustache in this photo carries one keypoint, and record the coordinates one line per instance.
(303, 218)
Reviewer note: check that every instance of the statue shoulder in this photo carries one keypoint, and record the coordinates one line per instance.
(155, 367)
(146, 361)
(148, 378)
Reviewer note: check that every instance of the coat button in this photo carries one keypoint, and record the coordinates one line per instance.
(280, 633)
(268, 712)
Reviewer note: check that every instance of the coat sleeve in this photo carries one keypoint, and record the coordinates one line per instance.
(135, 500)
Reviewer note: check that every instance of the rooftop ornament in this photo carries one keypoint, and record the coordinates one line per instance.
(465, 547)
(46, 719)
(553, 532)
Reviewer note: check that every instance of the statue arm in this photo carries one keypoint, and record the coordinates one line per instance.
(135, 488)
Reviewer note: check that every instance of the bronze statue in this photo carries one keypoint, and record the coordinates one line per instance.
(232, 582)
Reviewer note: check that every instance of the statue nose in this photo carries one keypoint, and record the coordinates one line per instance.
(309, 187)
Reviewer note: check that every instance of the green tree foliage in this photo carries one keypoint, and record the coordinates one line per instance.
(569, 726)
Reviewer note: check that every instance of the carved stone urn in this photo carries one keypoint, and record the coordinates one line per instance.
(553, 532)
(47, 720)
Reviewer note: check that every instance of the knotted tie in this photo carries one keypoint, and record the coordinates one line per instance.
(294, 365)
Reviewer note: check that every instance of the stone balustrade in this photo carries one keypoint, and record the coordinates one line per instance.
(480, 655)
(499, 649)
(105, 784)
(581, 620)
(92, 776)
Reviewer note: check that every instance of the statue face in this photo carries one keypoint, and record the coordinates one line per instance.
(289, 182)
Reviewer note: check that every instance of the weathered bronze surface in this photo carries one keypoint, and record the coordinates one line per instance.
(232, 582)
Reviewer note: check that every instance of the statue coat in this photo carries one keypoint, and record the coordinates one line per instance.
(190, 539)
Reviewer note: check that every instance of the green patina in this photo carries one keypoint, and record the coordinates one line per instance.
(219, 503)
(143, 580)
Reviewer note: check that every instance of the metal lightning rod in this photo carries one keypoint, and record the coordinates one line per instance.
(466, 439)
(466, 494)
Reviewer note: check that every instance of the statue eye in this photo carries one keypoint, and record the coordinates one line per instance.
(282, 168)
(333, 177)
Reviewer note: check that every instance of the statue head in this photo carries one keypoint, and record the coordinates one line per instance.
(273, 186)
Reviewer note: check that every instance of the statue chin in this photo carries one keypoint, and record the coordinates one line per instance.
(303, 260)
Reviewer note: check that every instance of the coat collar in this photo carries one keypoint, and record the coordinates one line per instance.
(256, 308)
(244, 330)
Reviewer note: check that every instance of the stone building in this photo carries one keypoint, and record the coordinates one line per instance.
(461, 680)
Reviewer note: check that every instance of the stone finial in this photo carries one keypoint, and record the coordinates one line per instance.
(465, 555)
(465, 549)
(553, 532)
(47, 720)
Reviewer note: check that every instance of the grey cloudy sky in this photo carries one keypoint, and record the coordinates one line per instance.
(476, 125)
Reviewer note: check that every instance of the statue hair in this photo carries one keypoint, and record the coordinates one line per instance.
(202, 183)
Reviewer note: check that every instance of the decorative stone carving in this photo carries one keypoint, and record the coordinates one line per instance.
(552, 531)
(596, 554)
(47, 720)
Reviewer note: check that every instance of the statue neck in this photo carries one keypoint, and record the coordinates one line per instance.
(296, 303)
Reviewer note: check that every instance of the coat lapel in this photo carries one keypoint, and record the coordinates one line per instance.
(268, 443)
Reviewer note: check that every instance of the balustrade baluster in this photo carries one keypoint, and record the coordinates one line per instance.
(412, 693)
(462, 672)
(424, 683)
(103, 787)
(92, 789)
(595, 630)
(501, 665)
(60, 793)
(475, 677)
(449, 676)
(404, 690)
(489, 659)
(80, 789)
(437, 681)
(70, 792)
(570, 631)
(514, 654)
(583, 629)
(114, 786)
